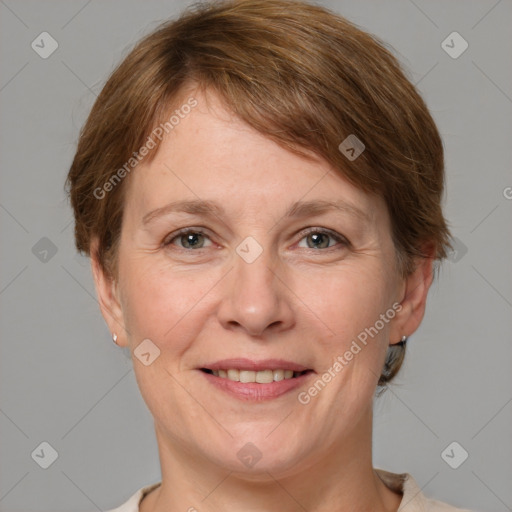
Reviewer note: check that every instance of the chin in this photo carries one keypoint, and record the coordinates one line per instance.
(255, 459)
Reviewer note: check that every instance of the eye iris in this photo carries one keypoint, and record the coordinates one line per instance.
(315, 237)
(190, 239)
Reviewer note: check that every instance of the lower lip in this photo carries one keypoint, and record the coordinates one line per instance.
(252, 391)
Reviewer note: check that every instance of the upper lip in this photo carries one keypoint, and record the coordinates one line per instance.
(249, 364)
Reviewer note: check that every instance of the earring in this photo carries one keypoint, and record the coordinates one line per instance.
(114, 338)
(403, 341)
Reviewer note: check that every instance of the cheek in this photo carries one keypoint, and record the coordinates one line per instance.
(158, 303)
(348, 306)
(346, 301)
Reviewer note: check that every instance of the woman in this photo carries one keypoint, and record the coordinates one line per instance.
(259, 188)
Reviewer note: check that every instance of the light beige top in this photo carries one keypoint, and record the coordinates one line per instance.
(413, 500)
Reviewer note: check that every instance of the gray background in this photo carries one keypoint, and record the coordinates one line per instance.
(63, 381)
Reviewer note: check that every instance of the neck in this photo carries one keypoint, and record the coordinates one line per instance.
(342, 479)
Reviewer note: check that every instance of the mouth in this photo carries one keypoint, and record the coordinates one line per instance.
(266, 376)
(255, 380)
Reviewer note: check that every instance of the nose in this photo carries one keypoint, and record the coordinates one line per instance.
(256, 298)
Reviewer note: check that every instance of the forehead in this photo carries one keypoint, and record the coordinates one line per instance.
(212, 155)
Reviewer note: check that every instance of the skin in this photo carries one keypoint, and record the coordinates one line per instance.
(304, 299)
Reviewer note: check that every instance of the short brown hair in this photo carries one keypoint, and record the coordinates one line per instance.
(299, 74)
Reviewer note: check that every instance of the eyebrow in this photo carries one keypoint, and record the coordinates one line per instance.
(296, 210)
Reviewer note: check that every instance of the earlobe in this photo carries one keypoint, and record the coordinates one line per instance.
(107, 293)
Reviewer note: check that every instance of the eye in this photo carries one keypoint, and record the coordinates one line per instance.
(194, 238)
(189, 238)
(319, 239)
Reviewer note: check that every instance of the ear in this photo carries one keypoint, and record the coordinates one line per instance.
(413, 299)
(108, 297)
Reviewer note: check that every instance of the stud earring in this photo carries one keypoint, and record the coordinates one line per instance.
(114, 338)
(403, 341)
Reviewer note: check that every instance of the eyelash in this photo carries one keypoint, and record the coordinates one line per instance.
(185, 231)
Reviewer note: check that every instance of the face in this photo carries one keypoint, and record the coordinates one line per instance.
(254, 278)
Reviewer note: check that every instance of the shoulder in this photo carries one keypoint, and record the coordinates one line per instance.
(413, 499)
(132, 505)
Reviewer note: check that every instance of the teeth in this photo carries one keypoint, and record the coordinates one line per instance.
(247, 376)
(264, 377)
(278, 375)
(234, 375)
(261, 377)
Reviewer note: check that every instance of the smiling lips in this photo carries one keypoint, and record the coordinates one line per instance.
(261, 377)
(255, 380)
